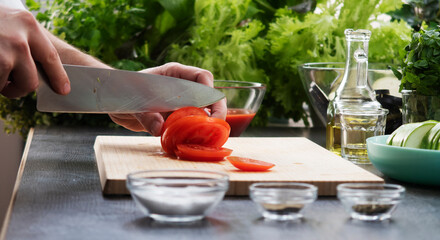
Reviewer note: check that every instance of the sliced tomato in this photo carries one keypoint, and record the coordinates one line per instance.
(182, 112)
(210, 132)
(197, 152)
(202, 130)
(249, 164)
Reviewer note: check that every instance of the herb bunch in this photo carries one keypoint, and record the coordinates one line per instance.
(421, 64)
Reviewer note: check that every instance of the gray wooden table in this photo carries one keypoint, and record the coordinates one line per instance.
(58, 196)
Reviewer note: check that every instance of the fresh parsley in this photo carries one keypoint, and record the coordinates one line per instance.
(421, 64)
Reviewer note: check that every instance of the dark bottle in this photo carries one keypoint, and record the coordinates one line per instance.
(393, 104)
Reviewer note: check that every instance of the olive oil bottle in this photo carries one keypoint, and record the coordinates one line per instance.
(354, 92)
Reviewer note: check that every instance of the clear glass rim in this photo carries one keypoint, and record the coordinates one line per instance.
(410, 92)
(368, 112)
(357, 34)
(156, 177)
(370, 188)
(240, 84)
(341, 66)
(284, 187)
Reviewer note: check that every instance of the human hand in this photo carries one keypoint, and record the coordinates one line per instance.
(152, 122)
(22, 43)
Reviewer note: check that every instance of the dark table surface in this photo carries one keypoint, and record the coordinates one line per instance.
(59, 197)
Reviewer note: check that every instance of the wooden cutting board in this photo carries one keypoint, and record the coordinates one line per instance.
(296, 159)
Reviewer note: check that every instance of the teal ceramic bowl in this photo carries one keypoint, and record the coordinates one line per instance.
(405, 164)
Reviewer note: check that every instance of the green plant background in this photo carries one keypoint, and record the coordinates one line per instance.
(248, 40)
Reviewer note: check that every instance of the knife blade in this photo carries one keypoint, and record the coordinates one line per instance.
(99, 90)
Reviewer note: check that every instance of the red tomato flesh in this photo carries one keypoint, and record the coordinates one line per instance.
(202, 130)
(249, 164)
(182, 112)
(201, 153)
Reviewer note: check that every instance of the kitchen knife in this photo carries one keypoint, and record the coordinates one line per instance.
(99, 90)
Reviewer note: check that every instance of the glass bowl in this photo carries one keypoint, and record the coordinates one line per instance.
(320, 80)
(243, 101)
(177, 195)
(370, 201)
(282, 201)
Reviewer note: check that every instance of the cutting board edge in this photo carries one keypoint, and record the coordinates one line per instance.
(115, 188)
(239, 188)
(101, 165)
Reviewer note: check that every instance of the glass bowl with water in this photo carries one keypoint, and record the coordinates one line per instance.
(282, 201)
(370, 201)
(177, 195)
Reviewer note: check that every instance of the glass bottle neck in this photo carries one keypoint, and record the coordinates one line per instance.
(355, 84)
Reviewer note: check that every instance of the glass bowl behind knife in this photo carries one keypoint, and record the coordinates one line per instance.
(243, 101)
(177, 195)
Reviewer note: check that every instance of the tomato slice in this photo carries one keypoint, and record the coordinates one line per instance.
(249, 164)
(197, 152)
(202, 130)
(182, 112)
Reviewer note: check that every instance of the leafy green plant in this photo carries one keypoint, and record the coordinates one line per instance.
(418, 12)
(126, 34)
(269, 44)
(420, 66)
(222, 41)
(247, 40)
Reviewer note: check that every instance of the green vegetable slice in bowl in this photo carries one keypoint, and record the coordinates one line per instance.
(411, 134)
(430, 141)
(413, 165)
(415, 138)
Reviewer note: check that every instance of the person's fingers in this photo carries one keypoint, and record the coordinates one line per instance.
(152, 122)
(219, 109)
(128, 121)
(45, 53)
(6, 65)
(24, 76)
(182, 71)
(18, 67)
(140, 122)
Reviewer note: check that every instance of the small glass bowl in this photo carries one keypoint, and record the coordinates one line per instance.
(243, 101)
(370, 201)
(282, 201)
(177, 195)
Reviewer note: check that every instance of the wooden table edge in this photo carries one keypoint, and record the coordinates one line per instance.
(17, 184)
